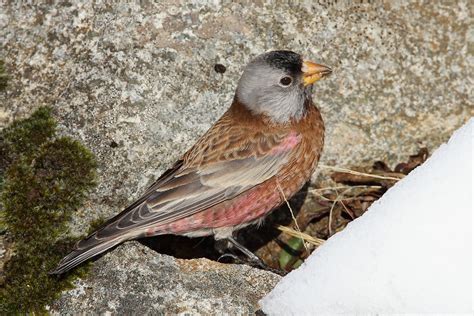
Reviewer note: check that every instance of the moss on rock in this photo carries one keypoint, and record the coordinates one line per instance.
(3, 76)
(24, 137)
(45, 180)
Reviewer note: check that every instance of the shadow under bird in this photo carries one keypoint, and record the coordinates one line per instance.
(261, 151)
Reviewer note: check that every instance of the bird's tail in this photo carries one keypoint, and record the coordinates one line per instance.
(106, 237)
(82, 253)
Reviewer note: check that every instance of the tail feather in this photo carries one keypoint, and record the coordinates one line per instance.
(79, 255)
(104, 238)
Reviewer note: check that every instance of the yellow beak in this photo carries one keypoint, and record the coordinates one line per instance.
(312, 72)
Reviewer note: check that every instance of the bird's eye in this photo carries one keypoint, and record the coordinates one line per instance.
(285, 81)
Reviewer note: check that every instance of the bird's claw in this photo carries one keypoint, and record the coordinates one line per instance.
(232, 256)
(255, 262)
(262, 265)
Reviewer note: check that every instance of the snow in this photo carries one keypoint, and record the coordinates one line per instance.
(411, 252)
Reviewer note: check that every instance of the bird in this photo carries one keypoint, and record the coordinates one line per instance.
(259, 153)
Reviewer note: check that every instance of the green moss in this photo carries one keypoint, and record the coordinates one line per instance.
(23, 138)
(3, 76)
(45, 180)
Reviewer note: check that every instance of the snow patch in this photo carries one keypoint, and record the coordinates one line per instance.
(410, 253)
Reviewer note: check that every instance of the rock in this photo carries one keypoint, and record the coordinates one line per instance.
(136, 280)
(142, 77)
(136, 82)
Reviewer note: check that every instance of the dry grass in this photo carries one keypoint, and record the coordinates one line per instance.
(347, 188)
(375, 176)
(305, 237)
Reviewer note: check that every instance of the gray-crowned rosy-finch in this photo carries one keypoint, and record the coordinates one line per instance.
(263, 149)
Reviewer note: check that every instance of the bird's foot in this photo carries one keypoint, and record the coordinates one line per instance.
(234, 258)
(252, 259)
(253, 263)
(262, 265)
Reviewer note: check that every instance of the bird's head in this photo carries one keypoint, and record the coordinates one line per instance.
(278, 84)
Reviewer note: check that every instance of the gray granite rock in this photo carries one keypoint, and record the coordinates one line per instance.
(136, 82)
(159, 284)
(142, 76)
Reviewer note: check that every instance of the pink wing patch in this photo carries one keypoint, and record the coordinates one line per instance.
(287, 144)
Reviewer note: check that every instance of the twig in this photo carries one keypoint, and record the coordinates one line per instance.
(338, 199)
(322, 197)
(291, 212)
(351, 214)
(330, 216)
(347, 186)
(305, 237)
(358, 173)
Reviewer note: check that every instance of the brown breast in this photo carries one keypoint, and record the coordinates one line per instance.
(299, 169)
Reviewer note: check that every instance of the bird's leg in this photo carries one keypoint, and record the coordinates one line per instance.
(222, 246)
(254, 260)
(253, 257)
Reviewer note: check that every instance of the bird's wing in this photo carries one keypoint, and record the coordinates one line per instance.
(200, 182)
